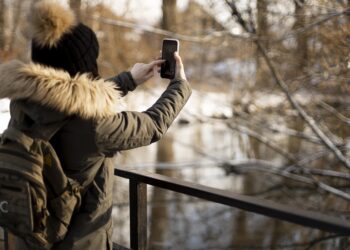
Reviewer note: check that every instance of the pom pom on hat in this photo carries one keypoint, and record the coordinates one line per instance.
(59, 41)
(49, 21)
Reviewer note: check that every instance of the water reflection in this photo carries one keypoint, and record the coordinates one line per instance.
(182, 222)
(159, 213)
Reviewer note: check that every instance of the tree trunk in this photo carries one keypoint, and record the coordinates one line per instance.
(16, 20)
(169, 15)
(76, 7)
(159, 212)
(159, 220)
(262, 33)
(301, 54)
(2, 25)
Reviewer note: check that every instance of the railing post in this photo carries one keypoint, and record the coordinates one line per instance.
(138, 215)
(9, 241)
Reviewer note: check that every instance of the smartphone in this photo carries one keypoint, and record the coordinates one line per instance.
(168, 68)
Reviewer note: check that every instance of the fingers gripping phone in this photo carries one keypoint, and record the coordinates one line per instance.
(168, 68)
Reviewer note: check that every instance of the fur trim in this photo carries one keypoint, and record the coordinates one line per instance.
(49, 21)
(57, 89)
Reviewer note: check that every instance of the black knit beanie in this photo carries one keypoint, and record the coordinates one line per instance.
(59, 42)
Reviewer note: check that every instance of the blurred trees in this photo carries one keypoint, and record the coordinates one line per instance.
(17, 10)
(169, 15)
(2, 25)
(76, 6)
(165, 153)
(301, 53)
(10, 22)
(308, 43)
(262, 34)
(310, 55)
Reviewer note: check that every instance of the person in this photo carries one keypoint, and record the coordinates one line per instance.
(62, 85)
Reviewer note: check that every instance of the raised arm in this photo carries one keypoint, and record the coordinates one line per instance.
(127, 130)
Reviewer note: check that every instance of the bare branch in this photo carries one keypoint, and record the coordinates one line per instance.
(267, 141)
(275, 129)
(311, 25)
(325, 238)
(332, 110)
(150, 29)
(269, 168)
(280, 82)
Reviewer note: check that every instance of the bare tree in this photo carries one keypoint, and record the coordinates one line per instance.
(2, 25)
(76, 7)
(302, 38)
(159, 223)
(262, 32)
(16, 20)
(169, 15)
(164, 154)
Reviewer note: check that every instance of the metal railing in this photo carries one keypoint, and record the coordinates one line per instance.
(138, 181)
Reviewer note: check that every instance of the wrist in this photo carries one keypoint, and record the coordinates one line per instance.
(177, 80)
(180, 78)
(133, 83)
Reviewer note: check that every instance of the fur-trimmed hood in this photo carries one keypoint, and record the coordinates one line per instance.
(56, 89)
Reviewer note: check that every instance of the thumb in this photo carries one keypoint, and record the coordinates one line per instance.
(177, 57)
(156, 62)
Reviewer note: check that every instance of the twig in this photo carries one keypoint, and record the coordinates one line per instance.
(325, 172)
(304, 180)
(337, 114)
(325, 238)
(267, 141)
(214, 34)
(332, 190)
(269, 168)
(233, 165)
(292, 246)
(287, 131)
(158, 31)
(312, 25)
(308, 119)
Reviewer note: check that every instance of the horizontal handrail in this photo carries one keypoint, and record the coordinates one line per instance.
(248, 203)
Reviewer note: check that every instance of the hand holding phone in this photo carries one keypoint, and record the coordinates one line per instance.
(168, 69)
(141, 72)
(180, 71)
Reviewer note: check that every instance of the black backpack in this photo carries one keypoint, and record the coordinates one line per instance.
(37, 199)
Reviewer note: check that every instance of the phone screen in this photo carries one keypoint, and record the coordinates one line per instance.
(168, 49)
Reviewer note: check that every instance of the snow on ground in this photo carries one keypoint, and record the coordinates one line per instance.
(200, 104)
(4, 105)
(207, 104)
(266, 100)
(4, 114)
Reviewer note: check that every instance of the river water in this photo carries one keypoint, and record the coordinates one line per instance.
(195, 149)
(195, 152)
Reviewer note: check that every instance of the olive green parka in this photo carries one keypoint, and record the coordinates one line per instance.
(43, 98)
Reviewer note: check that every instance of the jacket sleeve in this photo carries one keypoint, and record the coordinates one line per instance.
(127, 130)
(124, 82)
